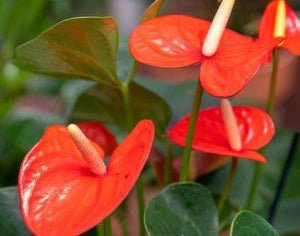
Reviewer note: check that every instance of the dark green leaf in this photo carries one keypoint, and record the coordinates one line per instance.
(246, 223)
(11, 222)
(179, 96)
(152, 11)
(182, 209)
(106, 105)
(84, 47)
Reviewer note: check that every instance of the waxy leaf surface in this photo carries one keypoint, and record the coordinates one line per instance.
(11, 222)
(106, 105)
(174, 41)
(247, 223)
(61, 196)
(255, 126)
(182, 209)
(83, 47)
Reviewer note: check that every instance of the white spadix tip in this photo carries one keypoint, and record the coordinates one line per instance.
(92, 156)
(217, 28)
(231, 126)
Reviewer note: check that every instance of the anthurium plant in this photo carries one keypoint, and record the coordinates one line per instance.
(88, 173)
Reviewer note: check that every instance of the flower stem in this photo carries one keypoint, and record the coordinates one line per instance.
(274, 75)
(168, 164)
(269, 110)
(228, 185)
(141, 204)
(284, 174)
(122, 221)
(130, 125)
(128, 108)
(190, 135)
(100, 229)
(107, 226)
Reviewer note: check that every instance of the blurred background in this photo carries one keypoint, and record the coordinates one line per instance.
(30, 102)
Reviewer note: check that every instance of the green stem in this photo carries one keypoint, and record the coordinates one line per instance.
(122, 221)
(139, 182)
(141, 204)
(168, 164)
(128, 108)
(274, 75)
(190, 135)
(100, 229)
(269, 110)
(228, 185)
(107, 226)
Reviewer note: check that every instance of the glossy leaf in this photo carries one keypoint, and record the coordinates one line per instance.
(182, 209)
(256, 129)
(106, 105)
(292, 27)
(152, 11)
(247, 223)
(83, 47)
(11, 222)
(61, 196)
(174, 41)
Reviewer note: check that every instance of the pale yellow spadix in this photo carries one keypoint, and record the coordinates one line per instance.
(217, 28)
(231, 126)
(87, 150)
(280, 19)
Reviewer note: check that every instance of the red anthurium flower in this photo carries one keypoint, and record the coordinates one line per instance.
(254, 126)
(100, 135)
(291, 26)
(174, 41)
(65, 187)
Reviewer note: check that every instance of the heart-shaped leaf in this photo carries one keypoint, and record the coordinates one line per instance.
(247, 223)
(11, 221)
(84, 47)
(106, 105)
(182, 209)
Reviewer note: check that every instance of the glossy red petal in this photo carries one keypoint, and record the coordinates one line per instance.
(58, 193)
(292, 28)
(256, 129)
(237, 60)
(100, 135)
(169, 41)
(292, 44)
